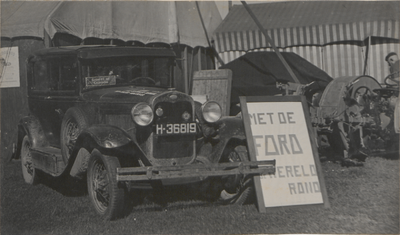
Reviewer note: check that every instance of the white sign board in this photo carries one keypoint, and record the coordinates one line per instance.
(9, 67)
(280, 131)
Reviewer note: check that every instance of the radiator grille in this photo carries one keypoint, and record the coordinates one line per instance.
(174, 145)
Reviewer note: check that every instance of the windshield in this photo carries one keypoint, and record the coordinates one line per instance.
(138, 71)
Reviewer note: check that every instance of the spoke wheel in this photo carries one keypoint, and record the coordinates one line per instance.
(72, 132)
(237, 188)
(363, 95)
(107, 196)
(72, 125)
(28, 169)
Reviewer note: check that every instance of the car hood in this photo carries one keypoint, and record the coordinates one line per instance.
(128, 94)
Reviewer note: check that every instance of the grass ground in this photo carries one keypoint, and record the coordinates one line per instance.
(363, 200)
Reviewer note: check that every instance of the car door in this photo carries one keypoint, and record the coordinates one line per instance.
(53, 89)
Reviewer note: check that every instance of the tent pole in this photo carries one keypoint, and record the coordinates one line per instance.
(367, 59)
(185, 68)
(191, 71)
(370, 55)
(208, 40)
(199, 58)
(270, 42)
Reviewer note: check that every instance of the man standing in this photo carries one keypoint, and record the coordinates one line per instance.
(393, 60)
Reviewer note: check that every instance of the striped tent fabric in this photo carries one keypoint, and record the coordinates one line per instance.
(306, 35)
(333, 35)
(307, 23)
(343, 60)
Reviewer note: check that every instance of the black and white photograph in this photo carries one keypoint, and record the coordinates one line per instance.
(199, 117)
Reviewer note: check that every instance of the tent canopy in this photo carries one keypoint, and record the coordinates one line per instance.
(302, 23)
(256, 73)
(24, 19)
(147, 22)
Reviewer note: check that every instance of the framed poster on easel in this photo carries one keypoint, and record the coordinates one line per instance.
(216, 84)
(279, 127)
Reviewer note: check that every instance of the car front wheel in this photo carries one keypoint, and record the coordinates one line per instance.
(106, 195)
(237, 188)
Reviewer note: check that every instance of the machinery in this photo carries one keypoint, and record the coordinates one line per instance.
(357, 116)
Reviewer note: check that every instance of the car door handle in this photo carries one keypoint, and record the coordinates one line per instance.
(48, 98)
(60, 112)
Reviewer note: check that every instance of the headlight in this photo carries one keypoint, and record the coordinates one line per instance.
(211, 111)
(142, 114)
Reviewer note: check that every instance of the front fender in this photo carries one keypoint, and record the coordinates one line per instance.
(230, 129)
(105, 136)
(109, 140)
(231, 126)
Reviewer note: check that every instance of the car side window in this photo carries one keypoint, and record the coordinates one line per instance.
(40, 80)
(63, 74)
(55, 75)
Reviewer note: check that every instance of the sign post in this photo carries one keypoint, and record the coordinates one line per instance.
(279, 127)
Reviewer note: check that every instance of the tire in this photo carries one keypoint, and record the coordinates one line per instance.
(106, 195)
(73, 123)
(29, 172)
(237, 188)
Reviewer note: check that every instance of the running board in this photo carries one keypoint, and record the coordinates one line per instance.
(48, 159)
(195, 170)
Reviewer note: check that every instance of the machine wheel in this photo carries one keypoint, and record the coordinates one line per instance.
(363, 95)
(106, 195)
(28, 170)
(237, 188)
(72, 125)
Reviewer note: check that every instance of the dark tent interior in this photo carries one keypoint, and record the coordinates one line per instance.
(256, 73)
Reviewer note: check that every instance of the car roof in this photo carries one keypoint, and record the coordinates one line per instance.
(95, 51)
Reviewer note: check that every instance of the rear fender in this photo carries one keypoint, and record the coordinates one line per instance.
(30, 126)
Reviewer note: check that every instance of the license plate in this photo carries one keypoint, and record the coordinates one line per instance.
(173, 129)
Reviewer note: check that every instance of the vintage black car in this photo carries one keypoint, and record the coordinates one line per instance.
(111, 115)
